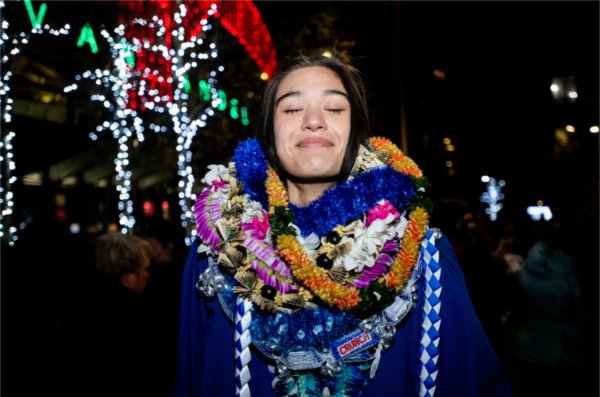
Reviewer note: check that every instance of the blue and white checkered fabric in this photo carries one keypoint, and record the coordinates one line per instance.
(430, 337)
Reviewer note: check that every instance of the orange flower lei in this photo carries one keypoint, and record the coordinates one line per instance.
(316, 278)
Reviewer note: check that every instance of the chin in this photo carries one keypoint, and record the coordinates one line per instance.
(314, 177)
(321, 166)
(313, 168)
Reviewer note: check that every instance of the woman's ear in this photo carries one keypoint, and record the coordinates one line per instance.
(129, 280)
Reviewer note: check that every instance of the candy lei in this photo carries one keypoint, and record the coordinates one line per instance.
(272, 264)
(315, 278)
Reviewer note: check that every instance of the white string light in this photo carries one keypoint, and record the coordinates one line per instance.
(10, 48)
(182, 56)
(125, 125)
(492, 196)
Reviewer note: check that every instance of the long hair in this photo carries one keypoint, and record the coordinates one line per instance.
(355, 84)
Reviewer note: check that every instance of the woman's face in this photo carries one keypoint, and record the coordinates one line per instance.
(312, 123)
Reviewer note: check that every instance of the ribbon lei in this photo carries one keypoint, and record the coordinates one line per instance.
(242, 348)
(430, 336)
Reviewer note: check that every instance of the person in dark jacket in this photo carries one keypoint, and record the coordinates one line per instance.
(110, 343)
(547, 324)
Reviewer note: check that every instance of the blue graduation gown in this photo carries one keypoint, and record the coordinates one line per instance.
(467, 363)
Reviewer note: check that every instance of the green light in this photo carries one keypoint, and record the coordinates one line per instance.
(234, 111)
(245, 120)
(223, 97)
(186, 84)
(87, 36)
(36, 20)
(204, 90)
(128, 55)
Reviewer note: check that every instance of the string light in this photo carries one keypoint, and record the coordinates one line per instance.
(126, 125)
(10, 46)
(167, 50)
(492, 196)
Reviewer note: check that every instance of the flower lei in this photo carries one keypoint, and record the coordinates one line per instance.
(316, 278)
(235, 230)
(360, 266)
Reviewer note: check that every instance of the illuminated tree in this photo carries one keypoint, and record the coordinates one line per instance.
(168, 47)
(10, 45)
(174, 56)
(126, 123)
(161, 76)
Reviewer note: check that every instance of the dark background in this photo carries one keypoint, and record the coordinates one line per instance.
(498, 59)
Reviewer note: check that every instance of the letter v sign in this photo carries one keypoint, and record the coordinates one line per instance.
(36, 20)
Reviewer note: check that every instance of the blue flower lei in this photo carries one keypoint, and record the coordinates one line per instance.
(350, 198)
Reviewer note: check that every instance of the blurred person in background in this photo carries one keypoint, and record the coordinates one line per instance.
(486, 279)
(107, 343)
(547, 324)
(122, 260)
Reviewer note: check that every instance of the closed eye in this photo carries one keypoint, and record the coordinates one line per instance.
(290, 111)
(336, 111)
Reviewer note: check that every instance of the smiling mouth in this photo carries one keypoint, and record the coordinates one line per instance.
(315, 142)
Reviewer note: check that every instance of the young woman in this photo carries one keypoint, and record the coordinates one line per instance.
(315, 271)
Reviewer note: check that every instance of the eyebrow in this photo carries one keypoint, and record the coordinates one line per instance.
(297, 93)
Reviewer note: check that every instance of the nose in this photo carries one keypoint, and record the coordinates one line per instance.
(313, 120)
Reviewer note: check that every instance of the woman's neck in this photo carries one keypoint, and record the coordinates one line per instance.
(302, 194)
